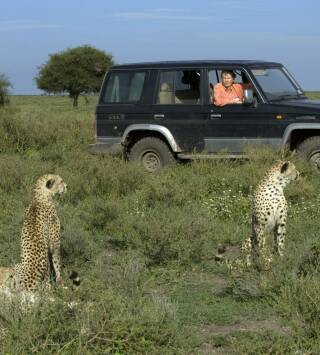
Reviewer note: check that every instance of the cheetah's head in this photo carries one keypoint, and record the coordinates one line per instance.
(287, 172)
(51, 185)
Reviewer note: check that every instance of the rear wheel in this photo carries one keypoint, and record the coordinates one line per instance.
(309, 150)
(152, 152)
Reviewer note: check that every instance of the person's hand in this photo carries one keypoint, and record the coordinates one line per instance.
(237, 101)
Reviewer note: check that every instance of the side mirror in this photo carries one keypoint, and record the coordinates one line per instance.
(248, 98)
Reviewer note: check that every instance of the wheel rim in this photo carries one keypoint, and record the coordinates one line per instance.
(315, 159)
(151, 161)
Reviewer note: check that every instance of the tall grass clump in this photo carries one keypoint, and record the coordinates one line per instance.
(145, 246)
(4, 90)
(111, 323)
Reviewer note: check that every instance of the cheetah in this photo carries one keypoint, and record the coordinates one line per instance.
(5, 273)
(269, 212)
(40, 237)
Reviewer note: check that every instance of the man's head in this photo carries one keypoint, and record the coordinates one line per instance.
(227, 77)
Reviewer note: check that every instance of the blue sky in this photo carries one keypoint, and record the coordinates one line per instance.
(287, 31)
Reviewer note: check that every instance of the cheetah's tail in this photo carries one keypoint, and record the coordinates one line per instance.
(74, 277)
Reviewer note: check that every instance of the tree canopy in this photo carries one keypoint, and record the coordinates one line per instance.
(76, 71)
(4, 90)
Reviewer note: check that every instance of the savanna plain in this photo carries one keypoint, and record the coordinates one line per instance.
(145, 245)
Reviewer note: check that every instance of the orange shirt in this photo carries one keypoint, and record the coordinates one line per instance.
(223, 96)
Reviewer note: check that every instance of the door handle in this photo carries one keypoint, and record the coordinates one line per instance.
(158, 115)
(215, 116)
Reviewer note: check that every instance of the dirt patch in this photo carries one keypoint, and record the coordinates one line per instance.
(244, 325)
(232, 252)
(247, 325)
(207, 349)
(219, 283)
(228, 252)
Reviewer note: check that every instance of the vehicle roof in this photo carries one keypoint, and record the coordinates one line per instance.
(196, 63)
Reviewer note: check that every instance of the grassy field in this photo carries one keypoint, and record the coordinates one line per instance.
(145, 247)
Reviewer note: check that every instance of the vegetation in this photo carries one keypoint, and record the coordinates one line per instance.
(75, 71)
(4, 90)
(145, 247)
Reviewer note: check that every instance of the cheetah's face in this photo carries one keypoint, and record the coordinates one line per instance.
(289, 171)
(55, 185)
(50, 185)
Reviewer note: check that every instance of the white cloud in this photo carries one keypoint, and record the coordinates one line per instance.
(17, 25)
(219, 11)
(159, 14)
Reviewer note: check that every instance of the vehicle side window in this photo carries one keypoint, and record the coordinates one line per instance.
(230, 90)
(124, 87)
(274, 82)
(179, 87)
(213, 80)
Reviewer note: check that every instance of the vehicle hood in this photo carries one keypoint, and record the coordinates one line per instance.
(302, 103)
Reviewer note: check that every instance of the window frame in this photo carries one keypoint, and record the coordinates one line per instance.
(250, 77)
(286, 73)
(114, 72)
(176, 69)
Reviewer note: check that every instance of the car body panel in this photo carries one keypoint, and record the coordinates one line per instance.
(203, 127)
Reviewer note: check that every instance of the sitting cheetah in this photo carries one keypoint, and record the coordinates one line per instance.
(40, 236)
(270, 211)
(5, 273)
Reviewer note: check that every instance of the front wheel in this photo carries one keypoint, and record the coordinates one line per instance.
(309, 150)
(152, 152)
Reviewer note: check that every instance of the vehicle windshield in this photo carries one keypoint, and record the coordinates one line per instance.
(276, 84)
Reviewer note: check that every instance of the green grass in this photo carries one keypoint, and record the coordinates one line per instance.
(145, 246)
(314, 95)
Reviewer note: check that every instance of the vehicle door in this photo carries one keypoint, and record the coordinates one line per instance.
(177, 105)
(233, 127)
(282, 92)
(123, 101)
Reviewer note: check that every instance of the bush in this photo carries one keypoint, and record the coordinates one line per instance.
(4, 90)
(144, 245)
(102, 318)
(164, 235)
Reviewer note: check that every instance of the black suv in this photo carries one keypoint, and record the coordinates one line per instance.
(163, 111)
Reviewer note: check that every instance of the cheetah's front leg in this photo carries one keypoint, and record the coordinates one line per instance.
(259, 242)
(279, 237)
(246, 250)
(56, 260)
(54, 245)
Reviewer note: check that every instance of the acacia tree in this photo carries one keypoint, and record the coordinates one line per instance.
(4, 90)
(78, 70)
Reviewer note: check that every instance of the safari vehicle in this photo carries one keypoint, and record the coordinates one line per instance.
(161, 112)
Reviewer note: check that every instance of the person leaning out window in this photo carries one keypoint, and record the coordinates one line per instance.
(228, 92)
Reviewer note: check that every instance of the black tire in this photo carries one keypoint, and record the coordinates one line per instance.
(309, 150)
(153, 153)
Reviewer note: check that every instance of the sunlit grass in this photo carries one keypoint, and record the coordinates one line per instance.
(145, 247)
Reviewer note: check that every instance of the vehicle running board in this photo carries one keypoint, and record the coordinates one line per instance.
(211, 156)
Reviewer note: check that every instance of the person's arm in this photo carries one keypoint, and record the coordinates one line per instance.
(217, 98)
(246, 86)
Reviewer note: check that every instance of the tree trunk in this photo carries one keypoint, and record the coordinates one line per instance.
(75, 99)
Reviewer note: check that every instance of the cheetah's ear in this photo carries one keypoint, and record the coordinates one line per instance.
(49, 183)
(284, 167)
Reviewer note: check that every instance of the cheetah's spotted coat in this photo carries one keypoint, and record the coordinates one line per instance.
(270, 211)
(40, 236)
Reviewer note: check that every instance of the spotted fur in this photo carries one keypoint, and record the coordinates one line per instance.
(269, 212)
(40, 237)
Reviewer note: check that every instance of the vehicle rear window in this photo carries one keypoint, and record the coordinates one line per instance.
(124, 87)
(179, 87)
